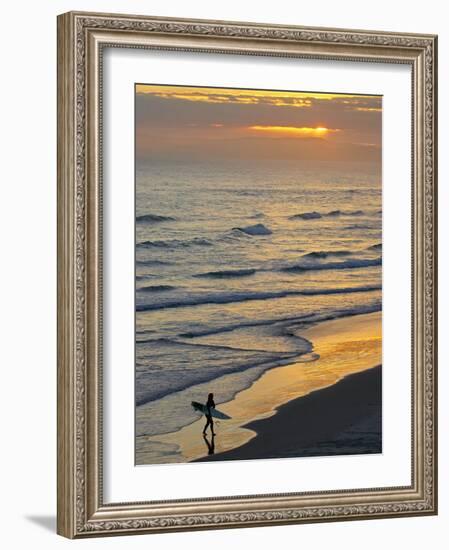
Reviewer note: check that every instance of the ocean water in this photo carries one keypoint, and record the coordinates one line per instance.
(231, 258)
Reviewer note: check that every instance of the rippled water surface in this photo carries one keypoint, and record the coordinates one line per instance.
(230, 258)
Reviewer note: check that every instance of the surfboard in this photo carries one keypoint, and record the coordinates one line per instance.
(213, 412)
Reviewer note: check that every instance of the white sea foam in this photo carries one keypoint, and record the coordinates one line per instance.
(257, 229)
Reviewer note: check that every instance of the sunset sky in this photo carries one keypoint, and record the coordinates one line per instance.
(181, 122)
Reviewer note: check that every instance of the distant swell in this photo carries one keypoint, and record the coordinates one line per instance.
(327, 253)
(377, 246)
(336, 213)
(308, 265)
(229, 298)
(153, 218)
(226, 273)
(362, 226)
(157, 288)
(306, 216)
(332, 214)
(152, 263)
(175, 243)
(348, 264)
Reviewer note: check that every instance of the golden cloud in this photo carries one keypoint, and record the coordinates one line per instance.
(243, 97)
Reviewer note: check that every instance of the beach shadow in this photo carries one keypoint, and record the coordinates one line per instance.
(46, 522)
(210, 444)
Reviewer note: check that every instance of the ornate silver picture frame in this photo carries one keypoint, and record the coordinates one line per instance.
(82, 41)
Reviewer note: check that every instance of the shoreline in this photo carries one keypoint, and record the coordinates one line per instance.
(342, 347)
(344, 418)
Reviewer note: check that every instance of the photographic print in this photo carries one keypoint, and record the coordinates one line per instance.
(258, 274)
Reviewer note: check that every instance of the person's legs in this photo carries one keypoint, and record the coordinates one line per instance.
(207, 424)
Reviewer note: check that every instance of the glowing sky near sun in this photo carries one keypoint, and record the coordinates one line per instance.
(183, 122)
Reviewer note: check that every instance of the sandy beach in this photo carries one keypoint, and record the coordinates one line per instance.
(342, 419)
(318, 406)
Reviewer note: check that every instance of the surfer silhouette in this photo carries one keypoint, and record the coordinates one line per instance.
(209, 405)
